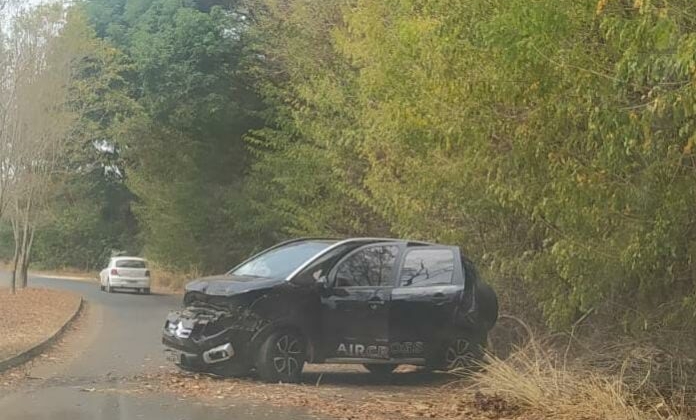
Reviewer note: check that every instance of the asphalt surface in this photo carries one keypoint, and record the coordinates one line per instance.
(118, 337)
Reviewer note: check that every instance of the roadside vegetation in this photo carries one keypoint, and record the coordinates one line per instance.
(554, 141)
(615, 379)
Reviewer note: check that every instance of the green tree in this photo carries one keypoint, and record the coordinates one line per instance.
(89, 213)
(552, 140)
(183, 150)
(308, 173)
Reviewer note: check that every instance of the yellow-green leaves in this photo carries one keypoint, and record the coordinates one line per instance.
(548, 136)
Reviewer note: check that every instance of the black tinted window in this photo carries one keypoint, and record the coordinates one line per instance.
(130, 264)
(372, 266)
(427, 267)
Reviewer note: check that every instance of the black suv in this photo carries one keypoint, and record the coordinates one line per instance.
(376, 302)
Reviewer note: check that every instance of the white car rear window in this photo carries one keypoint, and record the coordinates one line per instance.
(130, 264)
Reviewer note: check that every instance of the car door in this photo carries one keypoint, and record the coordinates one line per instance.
(424, 302)
(356, 303)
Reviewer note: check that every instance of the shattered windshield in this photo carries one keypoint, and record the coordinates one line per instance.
(281, 262)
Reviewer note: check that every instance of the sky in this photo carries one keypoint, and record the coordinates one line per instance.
(33, 2)
(29, 3)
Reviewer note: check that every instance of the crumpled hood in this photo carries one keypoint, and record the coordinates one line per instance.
(229, 285)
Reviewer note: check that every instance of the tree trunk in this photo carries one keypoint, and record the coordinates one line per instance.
(15, 263)
(15, 258)
(25, 242)
(13, 278)
(26, 259)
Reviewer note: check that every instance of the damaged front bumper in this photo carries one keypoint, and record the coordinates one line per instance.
(202, 336)
(213, 356)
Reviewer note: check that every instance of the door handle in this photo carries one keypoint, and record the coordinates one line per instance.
(440, 298)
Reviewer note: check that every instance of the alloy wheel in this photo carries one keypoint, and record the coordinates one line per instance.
(459, 354)
(287, 359)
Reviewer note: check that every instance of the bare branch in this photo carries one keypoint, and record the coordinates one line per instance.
(35, 117)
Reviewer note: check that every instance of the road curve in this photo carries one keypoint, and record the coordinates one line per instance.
(119, 337)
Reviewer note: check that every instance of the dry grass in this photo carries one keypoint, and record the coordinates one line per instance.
(67, 272)
(167, 279)
(543, 380)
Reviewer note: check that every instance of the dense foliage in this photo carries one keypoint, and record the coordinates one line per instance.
(552, 140)
(164, 127)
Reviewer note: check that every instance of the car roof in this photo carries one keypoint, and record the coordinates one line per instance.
(128, 258)
(365, 240)
(337, 242)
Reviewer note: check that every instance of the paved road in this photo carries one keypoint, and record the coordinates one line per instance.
(118, 338)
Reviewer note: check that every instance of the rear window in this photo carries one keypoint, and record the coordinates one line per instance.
(130, 264)
(427, 267)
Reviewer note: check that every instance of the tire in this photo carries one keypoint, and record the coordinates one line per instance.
(282, 356)
(146, 290)
(101, 286)
(463, 354)
(381, 369)
(487, 306)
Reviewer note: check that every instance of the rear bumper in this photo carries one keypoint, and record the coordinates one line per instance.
(130, 283)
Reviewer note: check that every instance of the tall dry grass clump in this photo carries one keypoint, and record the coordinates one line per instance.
(540, 377)
(171, 279)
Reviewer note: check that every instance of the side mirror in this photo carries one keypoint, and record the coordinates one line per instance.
(322, 284)
(323, 281)
(320, 278)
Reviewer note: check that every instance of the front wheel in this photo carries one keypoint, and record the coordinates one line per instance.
(380, 368)
(282, 356)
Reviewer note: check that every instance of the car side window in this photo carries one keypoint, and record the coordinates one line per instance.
(372, 266)
(427, 267)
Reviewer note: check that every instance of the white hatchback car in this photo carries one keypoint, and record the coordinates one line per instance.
(126, 273)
